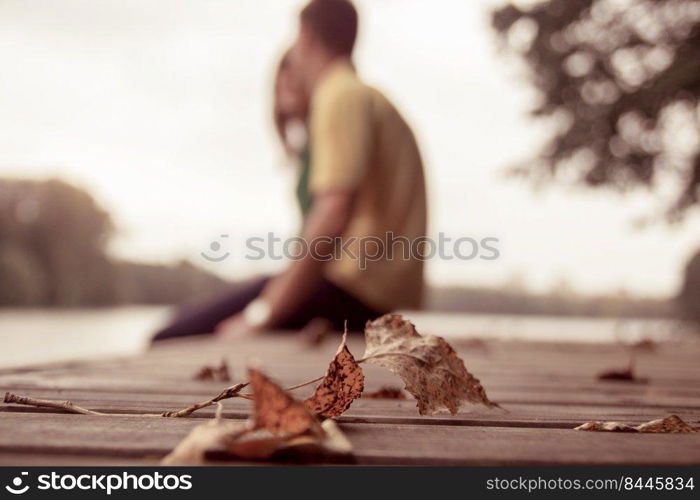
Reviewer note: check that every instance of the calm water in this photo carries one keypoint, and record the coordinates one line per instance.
(40, 336)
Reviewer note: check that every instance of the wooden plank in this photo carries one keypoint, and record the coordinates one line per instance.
(547, 389)
(601, 394)
(298, 371)
(515, 446)
(371, 410)
(17, 459)
(501, 363)
(150, 438)
(499, 359)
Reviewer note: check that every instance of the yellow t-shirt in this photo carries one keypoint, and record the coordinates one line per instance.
(359, 141)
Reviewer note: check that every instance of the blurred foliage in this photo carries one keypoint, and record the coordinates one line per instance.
(689, 297)
(618, 81)
(52, 253)
(511, 300)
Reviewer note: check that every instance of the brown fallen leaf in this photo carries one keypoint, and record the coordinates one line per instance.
(472, 343)
(606, 426)
(214, 373)
(343, 383)
(622, 374)
(279, 427)
(625, 374)
(385, 392)
(262, 444)
(672, 424)
(644, 345)
(276, 411)
(202, 438)
(428, 365)
(315, 332)
(285, 426)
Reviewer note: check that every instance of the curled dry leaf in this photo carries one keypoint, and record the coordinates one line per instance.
(343, 383)
(202, 438)
(385, 392)
(276, 411)
(315, 332)
(606, 426)
(625, 374)
(428, 365)
(644, 345)
(262, 444)
(280, 427)
(214, 373)
(672, 424)
(621, 374)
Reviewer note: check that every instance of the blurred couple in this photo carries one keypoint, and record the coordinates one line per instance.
(360, 176)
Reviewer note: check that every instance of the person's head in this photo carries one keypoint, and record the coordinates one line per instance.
(291, 102)
(327, 31)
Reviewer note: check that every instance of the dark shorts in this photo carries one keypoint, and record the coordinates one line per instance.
(328, 301)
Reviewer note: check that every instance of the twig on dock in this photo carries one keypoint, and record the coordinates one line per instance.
(46, 403)
(229, 392)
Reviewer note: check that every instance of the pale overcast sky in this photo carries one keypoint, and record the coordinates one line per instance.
(160, 108)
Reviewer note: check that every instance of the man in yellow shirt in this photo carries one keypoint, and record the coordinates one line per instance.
(365, 158)
(366, 174)
(365, 229)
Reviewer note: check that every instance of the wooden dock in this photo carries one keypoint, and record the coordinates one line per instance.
(547, 390)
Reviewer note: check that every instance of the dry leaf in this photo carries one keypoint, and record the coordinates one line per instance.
(211, 434)
(385, 392)
(428, 365)
(214, 373)
(275, 410)
(282, 424)
(644, 345)
(315, 332)
(622, 374)
(262, 444)
(285, 426)
(606, 426)
(672, 424)
(343, 383)
(472, 343)
(280, 427)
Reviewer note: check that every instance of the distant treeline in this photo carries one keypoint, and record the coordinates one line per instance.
(53, 239)
(52, 253)
(504, 301)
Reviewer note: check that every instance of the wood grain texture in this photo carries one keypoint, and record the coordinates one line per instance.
(546, 388)
(151, 438)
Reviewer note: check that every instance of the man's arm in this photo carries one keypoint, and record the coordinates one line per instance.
(342, 134)
(328, 219)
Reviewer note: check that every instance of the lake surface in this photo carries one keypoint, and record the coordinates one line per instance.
(31, 336)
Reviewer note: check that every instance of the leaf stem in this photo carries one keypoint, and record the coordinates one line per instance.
(304, 384)
(229, 392)
(383, 354)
